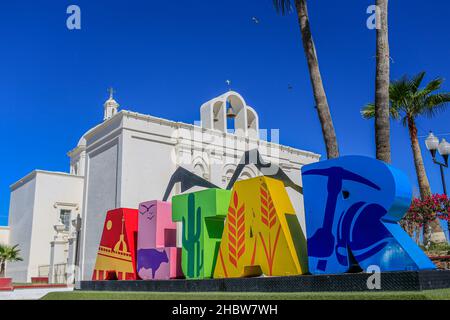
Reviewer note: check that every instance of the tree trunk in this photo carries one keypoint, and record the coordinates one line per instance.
(382, 115)
(417, 234)
(422, 178)
(424, 185)
(2, 269)
(323, 110)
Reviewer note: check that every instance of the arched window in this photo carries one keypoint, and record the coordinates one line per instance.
(245, 176)
(199, 170)
(218, 115)
(236, 107)
(200, 167)
(230, 113)
(248, 173)
(228, 171)
(228, 176)
(252, 123)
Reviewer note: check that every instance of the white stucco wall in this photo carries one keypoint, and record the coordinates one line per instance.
(100, 196)
(34, 210)
(101, 188)
(20, 222)
(4, 235)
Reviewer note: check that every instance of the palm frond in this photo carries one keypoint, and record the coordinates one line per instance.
(407, 100)
(416, 81)
(437, 99)
(368, 111)
(432, 86)
(10, 253)
(283, 6)
(395, 112)
(436, 103)
(427, 103)
(400, 93)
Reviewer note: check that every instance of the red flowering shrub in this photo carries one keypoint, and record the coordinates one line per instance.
(423, 211)
(442, 206)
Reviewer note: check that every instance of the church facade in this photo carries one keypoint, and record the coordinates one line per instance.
(57, 218)
(4, 235)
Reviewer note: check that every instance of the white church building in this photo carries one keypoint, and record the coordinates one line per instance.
(57, 218)
(4, 235)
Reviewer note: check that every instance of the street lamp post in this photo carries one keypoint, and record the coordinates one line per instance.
(432, 143)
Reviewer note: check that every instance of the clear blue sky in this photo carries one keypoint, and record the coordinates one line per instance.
(166, 58)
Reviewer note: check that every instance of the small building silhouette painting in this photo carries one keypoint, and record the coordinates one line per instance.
(116, 257)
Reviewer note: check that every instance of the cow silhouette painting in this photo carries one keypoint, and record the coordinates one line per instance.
(149, 262)
(157, 255)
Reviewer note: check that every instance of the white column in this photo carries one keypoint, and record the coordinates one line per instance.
(71, 268)
(58, 253)
(72, 263)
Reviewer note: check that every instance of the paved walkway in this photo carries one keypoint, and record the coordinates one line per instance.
(29, 294)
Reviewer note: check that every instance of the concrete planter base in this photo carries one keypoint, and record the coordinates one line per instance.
(39, 280)
(6, 284)
(390, 281)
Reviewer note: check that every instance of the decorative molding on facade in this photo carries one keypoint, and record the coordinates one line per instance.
(66, 205)
(214, 132)
(33, 175)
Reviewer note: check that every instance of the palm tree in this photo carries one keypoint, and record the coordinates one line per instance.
(382, 124)
(407, 102)
(323, 110)
(8, 254)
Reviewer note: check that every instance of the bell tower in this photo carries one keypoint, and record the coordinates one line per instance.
(111, 106)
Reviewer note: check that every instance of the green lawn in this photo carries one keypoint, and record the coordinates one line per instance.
(443, 294)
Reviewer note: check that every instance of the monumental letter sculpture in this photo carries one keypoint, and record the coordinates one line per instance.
(352, 206)
(202, 215)
(262, 234)
(116, 257)
(157, 255)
